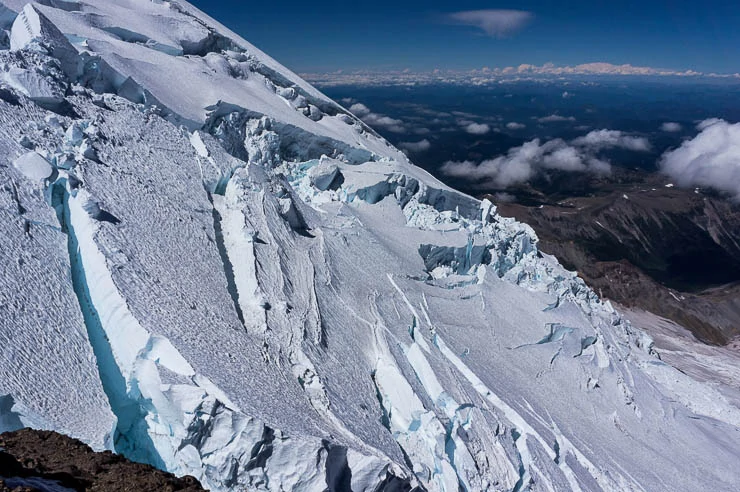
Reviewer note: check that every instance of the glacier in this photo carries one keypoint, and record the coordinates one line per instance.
(211, 267)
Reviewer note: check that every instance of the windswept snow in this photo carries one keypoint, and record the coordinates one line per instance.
(211, 267)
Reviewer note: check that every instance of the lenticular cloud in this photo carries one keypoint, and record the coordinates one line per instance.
(711, 159)
(605, 139)
(498, 23)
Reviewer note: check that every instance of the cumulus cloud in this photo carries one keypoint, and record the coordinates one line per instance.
(477, 128)
(359, 109)
(498, 23)
(711, 159)
(521, 164)
(555, 118)
(604, 139)
(515, 126)
(374, 119)
(377, 120)
(708, 122)
(420, 146)
(671, 127)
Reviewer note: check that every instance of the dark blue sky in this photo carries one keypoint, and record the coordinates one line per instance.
(326, 35)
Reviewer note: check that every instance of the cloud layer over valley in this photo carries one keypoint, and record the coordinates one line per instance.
(521, 164)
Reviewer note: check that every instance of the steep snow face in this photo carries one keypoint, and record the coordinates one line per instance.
(171, 55)
(42, 334)
(212, 268)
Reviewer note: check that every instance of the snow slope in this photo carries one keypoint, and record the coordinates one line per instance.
(210, 267)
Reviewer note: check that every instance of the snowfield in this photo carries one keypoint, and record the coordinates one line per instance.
(210, 267)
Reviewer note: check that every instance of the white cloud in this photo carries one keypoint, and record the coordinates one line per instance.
(555, 118)
(495, 75)
(504, 197)
(597, 68)
(515, 126)
(464, 114)
(381, 120)
(377, 120)
(521, 164)
(359, 109)
(599, 166)
(708, 122)
(420, 146)
(498, 23)
(565, 159)
(711, 159)
(671, 127)
(604, 139)
(477, 128)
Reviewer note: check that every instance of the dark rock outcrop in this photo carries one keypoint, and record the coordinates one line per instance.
(45, 461)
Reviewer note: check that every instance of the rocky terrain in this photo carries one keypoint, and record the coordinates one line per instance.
(45, 461)
(670, 251)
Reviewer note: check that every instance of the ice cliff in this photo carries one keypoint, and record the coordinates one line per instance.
(210, 267)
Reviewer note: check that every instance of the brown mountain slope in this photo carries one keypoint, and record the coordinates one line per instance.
(673, 252)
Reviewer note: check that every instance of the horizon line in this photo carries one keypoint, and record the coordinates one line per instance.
(497, 74)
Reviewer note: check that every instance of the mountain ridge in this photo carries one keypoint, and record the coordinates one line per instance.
(666, 250)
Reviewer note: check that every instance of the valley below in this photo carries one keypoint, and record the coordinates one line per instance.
(649, 245)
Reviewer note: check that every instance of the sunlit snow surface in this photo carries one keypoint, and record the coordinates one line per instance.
(210, 267)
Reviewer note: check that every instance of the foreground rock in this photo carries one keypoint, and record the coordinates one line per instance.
(43, 461)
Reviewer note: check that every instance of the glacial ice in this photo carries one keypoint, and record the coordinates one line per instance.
(35, 86)
(10, 419)
(211, 267)
(33, 166)
(323, 175)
